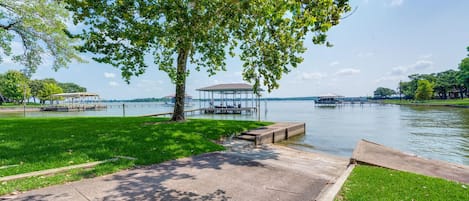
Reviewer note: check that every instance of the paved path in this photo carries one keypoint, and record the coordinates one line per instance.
(271, 173)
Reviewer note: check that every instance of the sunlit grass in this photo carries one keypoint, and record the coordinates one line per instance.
(457, 102)
(14, 105)
(375, 183)
(45, 143)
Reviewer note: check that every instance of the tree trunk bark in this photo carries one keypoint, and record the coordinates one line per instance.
(178, 114)
(461, 92)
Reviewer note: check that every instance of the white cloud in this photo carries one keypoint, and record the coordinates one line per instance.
(334, 63)
(421, 65)
(113, 84)
(347, 71)
(109, 75)
(389, 78)
(149, 85)
(425, 56)
(415, 67)
(397, 2)
(401, 72)
(312, 76)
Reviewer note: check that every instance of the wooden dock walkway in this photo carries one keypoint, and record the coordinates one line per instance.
(224, 110)
(72, 108)
(228, 110)
(186, 112)
(273, 133)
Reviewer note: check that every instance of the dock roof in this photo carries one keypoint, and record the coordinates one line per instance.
(228, 87)
(330, 95)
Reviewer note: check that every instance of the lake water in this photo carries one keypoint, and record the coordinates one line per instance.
(434, 132)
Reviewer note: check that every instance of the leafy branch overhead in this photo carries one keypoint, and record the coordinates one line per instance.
(39, 25)
(268, 35)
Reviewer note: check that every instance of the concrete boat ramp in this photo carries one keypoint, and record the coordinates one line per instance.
(248, 170)
(375, 154)
(267, 173)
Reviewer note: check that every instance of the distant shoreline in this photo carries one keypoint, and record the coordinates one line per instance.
(464, 103)
(432, 105)
(19, 109)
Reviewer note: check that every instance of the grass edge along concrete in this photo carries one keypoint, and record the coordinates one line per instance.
(34, 144)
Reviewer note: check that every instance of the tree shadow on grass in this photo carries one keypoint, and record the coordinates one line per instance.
(151, 182)
(162, 181)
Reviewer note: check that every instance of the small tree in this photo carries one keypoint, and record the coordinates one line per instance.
(382, 92)
(35, 86)
(13, 85)
(48, 89)
(424, 90)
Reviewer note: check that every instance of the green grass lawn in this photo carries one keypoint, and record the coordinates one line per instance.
(45, 143)
(457, 102)
(375, 183)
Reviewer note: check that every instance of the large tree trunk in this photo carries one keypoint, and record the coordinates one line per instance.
(178, 114)
(461, 92)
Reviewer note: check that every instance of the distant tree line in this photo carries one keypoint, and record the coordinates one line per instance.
(15, 87)
(449, 84)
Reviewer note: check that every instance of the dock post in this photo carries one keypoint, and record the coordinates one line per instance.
(123, 110)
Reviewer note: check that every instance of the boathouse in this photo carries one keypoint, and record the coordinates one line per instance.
(71, 102)
(234, 98)
(170, 100)
(329, 99)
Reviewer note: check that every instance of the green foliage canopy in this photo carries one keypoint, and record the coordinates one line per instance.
(47, 90)
(268, 34)
(445, 81)
(13, 85)
(449, 83)
(382, 92)
(69, 87)
(464, 69)
(424, 90)
(39, 24)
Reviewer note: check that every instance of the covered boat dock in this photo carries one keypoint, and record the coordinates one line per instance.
(72, 102)
(235, 98)
(329, 100)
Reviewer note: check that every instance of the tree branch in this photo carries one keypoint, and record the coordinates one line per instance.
(9, 26)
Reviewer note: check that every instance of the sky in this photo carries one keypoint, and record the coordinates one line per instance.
(379, 44)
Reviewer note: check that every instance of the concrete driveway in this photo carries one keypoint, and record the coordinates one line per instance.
(268, 173)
